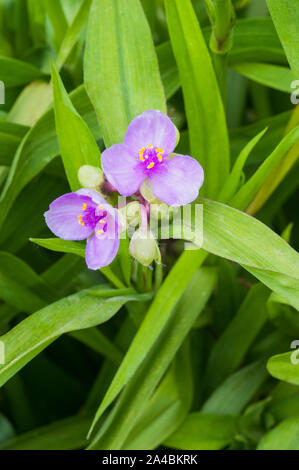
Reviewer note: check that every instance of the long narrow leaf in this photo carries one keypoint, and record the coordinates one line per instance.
(121, 68)
(203, 104)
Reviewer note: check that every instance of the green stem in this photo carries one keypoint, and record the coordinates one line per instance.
(221, 67)
(222, 17)
(158, 276)
(108, 273)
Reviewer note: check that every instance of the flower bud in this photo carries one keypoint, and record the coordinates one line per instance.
(90, 177)
(177, 133)
(144, 247)
(130, 215)
(146, 192)
(162, 211)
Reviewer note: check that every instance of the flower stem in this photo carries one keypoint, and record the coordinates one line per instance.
(158, 276)
(222, 18)
(220, 64)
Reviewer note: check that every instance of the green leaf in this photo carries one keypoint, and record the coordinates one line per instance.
(60, 273)
(36, 17)
(240, 136)
(204, 432)
(285, 16)
(22, 288)
(273, 76)
(63, 246)
(232, 183)
(31, 104)
(76, 248)
(232, 345)
(246, 194)
(94, 306)
(67, 434)
(6, 429)
(95, 339)
(168, 406)
(285, 436)
(281, 367)
(77, 144)
(120, 56)
(73, 33)
(15, 72)
(255, 39)
(237, 390)
(3, 174)
(17, 281)
(26, 217)
(168, 69)
(148, 375)
(154, 321)
(10, 137)
(279, 171)
(239, 237)
(58, 20)
(284, 402)
(39, 148)
(203, 103)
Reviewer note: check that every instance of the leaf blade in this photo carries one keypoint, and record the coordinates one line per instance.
(203, 104)
(120, 55)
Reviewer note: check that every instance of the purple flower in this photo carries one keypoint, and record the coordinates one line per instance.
(76, 216)
(146, 155)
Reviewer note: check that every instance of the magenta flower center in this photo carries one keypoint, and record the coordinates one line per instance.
(151, 156)
(93, 217)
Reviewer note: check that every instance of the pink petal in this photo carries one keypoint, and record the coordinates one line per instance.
(151, 128)
(177, 181)
(100, 251)
(62, 218)
(92, 194)
(122, 169)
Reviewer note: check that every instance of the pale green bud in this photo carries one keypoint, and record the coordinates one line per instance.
(160, 210)
(130, 215)
(144, 247)
(146, 191)
(177, 132)
(90, 177)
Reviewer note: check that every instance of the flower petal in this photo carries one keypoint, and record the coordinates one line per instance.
(122, 169)
(94, 195)
(100, 251)
(151, 128)
(178, 181)
(62, 218)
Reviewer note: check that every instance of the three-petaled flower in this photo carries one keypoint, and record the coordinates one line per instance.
(77, 216)
(145, 155)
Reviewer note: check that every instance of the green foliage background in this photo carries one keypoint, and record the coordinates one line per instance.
(197, 353)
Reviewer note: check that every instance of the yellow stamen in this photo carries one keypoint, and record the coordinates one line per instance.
(84, 206)
(159, 157)
(102, 222)
(141, 152)
(150, 146)
(100, 232)
(100, 207)
(160, 150)
(150, 165)
(80, 220)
